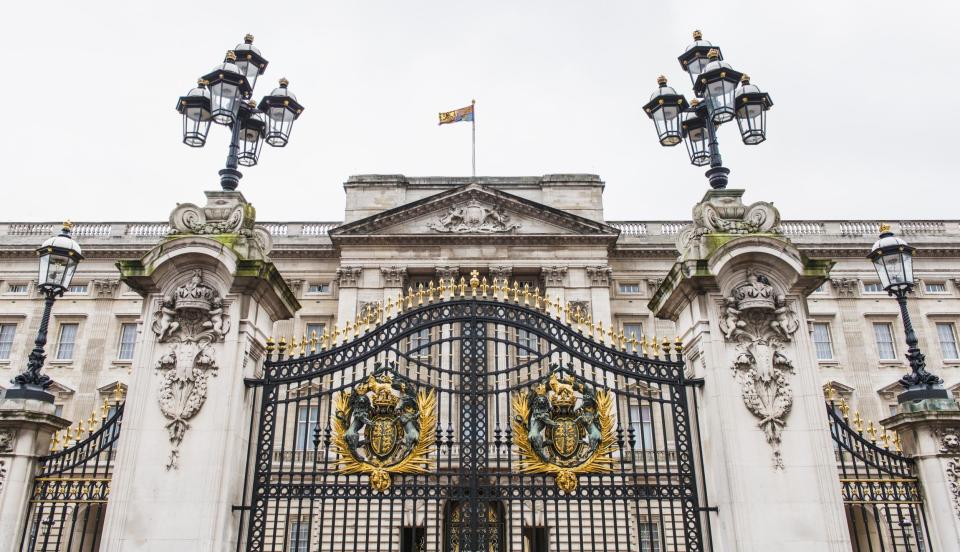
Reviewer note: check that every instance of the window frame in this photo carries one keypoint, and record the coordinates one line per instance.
(321, 291)
(893, 342)
(13, 340)
(10, 285)
(84, 291)
(306, 423)
(829, 341)
(953, 334)
(120, 343)
(943, 285)
(295, 542)
(622, 291)
(878, 290)
(654, 542)
(73, 346)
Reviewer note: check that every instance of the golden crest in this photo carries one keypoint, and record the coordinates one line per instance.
(385, 426)
(562, 434)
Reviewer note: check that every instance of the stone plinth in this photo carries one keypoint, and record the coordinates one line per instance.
(930, 432)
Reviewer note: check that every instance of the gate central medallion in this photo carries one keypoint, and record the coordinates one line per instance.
(385, 425)
(564, 428)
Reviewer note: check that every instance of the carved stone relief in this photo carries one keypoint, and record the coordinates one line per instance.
(500, 273)
(447, 273)
(599, 275)
(296, 286)
(653, 284)
(583, 307)
(953, 478)
(224, 213)
(3, 474)
(845, 286)
(723, 212)
(757, 319)
(6, 440)
(191, 319)
(948, 440)
(393, 276)
(349, 276)
(554, 275)
(105, 288)
(474, 217)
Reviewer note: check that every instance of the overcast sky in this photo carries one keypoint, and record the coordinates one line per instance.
(861, 126)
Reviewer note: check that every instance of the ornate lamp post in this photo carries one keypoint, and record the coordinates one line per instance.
(222, 96)
(59, 257)
(893, 259)
(719, 101)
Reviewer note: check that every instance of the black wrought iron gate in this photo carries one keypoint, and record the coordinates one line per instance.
(473, 418)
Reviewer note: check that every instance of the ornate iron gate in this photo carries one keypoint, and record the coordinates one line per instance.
(881, 491)
(70, 491)
(473, 418)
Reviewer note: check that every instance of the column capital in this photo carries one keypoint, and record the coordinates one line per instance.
(599, 276)
(393, 276)
(554, 276)
(349, 276)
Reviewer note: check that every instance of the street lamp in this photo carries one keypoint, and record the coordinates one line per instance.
(720, 100)
(59, 257)
(893, 260)
(222, 96)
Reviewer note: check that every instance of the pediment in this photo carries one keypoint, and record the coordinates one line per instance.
(474, 212)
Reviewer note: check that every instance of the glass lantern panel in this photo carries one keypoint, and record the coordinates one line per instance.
(720, 95)
(249, 70)
(224, 102)
(893, 266)
(880, 267)
(57, 266)
(907, 266)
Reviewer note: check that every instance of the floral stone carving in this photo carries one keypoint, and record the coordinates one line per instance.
(190, 319)
(723, 212)
(225, 213)
(474, 217)
(758, 320)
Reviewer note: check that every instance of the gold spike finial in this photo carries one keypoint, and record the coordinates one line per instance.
(474, 282)
(830, 391)
(270, 345)
(68, 225)
(713, 54)
(678, 345)
(884, 228)
(857, 421)
(231, 56)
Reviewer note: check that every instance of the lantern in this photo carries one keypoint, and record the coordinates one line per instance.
(249, 61)
(228, 87)
(694, 59)
(696, 134)
(665, 107)
(717, 85)
(893, 260)
(282, 109)
(752, 106)
(195, 108)
(59, 257)
(253, 127)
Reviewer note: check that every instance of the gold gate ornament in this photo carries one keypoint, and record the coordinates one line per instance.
(384, 426)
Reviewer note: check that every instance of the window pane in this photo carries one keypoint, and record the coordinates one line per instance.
(641, 418)
(318, 328)
(884, 336)
(7, 332)
(939, 287)
(649, 537)
(17, 288)
(633, 329)
(822, 341)
(128, 340)
(66, 342)
(629, 288)
(77, 288)
(872, 287)
(307, 421)
(947, 335)
(299, 536)
(319, 288)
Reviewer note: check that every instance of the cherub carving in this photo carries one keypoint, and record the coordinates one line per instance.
(216, 321)
(781, 323)
(731, 324)
(168, 324)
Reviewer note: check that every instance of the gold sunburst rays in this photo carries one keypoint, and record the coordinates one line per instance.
(566, 478)
(416, 461)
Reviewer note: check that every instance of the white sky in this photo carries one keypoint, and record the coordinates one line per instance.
(860, 128)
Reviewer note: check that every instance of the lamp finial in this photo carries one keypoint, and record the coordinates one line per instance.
(713, 54)
(662, 80)
(248, 38)
(884, 228)
(697, 35)
(231, 56)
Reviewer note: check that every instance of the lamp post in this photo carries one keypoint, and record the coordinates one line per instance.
(59, 257)
(719, 100)
(893, 259)
(222, 96)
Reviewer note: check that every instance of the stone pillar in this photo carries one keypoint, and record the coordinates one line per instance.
(26, 427)
(599, 279)
(554, 278)
(348, 282)
(737, 296)
(930, 432)
(211, 297)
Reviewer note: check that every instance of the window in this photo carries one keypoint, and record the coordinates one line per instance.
(299, 536)
(822, 288)
(77, 289)
(320, 287)
(821, 341)
(58, 410)
(128, 340)
(883, 333)
(892, 408)
(308, 419)
(315, 327)
(629, 288)
(7, 332)
(535, 539)
(649, 537)
(66, 341)
(528, 344)
(946, 333)
(413, 539)
(641, 418)
(935, 287)
(17, 288)
(419, 345)
(872, 287)
(633, 330)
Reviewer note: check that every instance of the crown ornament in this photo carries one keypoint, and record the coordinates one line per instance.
(755, 293)
(195, 294)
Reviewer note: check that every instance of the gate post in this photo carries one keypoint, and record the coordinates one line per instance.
(737, 295)
(930, 431)
(211, 297)
(26, 426)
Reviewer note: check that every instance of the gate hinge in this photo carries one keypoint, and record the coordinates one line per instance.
(240, 508)
(252, 382)
(714, 509)
(697, 382)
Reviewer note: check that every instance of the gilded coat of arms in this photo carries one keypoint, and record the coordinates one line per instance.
(385, 425)
(564, 428)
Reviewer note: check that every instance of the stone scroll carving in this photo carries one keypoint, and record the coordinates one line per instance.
(474, 217)
(757, 319)
(723, 212)
(190, 319)
(224, 213)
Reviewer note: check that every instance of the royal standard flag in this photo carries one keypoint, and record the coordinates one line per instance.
(457, 115)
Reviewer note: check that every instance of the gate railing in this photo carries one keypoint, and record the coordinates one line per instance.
(881, 491)
(72, 486)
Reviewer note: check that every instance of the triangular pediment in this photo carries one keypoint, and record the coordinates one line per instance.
(474, 211)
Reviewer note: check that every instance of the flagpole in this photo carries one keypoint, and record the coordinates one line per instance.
(473, 135)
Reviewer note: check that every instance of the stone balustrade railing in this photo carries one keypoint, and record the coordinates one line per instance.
(791, 228)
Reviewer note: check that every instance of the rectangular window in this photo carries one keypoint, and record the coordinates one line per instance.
(7, 332)
(528, 344)
(883, 333)
(413, 539)
(872, 287)
(633, 330)
(650, 537)
(641, 418)
(67, 341)
(308, 418)
(299, 536)
(935, 287)
(315, 329)
(535, 539)
(631, 288)
(822, 341)
(17, 288)
(419, 345)
(58, 410)
(77, 289)
(892, 408)
(128, 340)
(946, 333)
(320, 287)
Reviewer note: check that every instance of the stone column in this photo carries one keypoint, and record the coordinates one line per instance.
(599, 279)
(348, 282)
(211, 297)
(930, 432)
(554, 281)
(26, 426)
(737, 296)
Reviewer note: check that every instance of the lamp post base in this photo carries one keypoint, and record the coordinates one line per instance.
(717, 177)
(921, 393)
(32, 392)
(230, 179)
